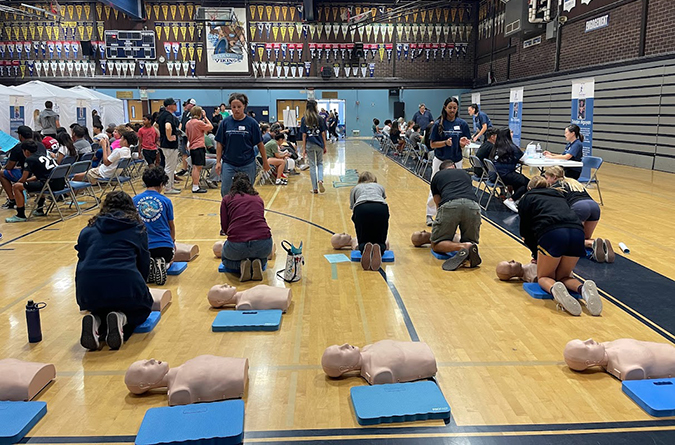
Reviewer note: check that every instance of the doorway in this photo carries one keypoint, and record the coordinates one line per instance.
(135, 111)
(336, 106)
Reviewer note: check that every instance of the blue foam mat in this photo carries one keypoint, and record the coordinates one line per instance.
(149, 323)
(247, 321)
(197, 424)
(387, 256)
(535, 291)
(223, 269)
(176, 268)
(655, 396)
(399, 402)
(443, 256)
(17, 419)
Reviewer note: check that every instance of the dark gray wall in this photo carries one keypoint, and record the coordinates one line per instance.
(633, 119)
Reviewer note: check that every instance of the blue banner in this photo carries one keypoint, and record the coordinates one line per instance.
(582, 111)
(516, 113)
(82, 116)
(16, 118)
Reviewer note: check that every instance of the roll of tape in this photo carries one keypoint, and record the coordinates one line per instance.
(624, 248)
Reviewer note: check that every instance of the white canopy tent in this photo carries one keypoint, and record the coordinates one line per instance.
(11, 114)
(71, 105)
(109, 108)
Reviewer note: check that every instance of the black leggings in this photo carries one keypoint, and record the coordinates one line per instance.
(371, 220)
(162, 252)
(519, 183)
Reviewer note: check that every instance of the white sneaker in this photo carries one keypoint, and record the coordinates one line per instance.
(589, 292)
(172, 192)
(565, 300)
(510, 203)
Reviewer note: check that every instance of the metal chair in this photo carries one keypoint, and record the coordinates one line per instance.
(120, 177)
(491, 185)
(85, 186)
(68, 160)
(426, 163)
(476, 163)
(59, 172)
(589, 173)
(87, 156)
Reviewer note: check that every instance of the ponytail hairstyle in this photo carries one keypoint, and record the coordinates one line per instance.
(503, 145)
(444, 114)
(311, 114)
(65, 140)
(574, 128)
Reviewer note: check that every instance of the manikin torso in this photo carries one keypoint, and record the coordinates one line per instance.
(21, 381)
(258, 298)
(207, 378)
(390, 361)
(629, 359)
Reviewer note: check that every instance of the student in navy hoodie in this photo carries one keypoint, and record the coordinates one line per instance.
(113, 263)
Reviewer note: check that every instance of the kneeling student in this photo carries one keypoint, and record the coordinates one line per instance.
(156, 211)
(371, 219)
(113, 263)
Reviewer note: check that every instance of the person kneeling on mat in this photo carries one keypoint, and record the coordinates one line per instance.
(371, 219)
(555, 237)
(113, 262)
(156, 211)
(457, 208)
(249, 238)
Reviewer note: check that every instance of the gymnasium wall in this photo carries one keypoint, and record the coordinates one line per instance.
(634, 112)
(361, 106)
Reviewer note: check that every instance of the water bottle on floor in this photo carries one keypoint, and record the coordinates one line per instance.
(33, 321)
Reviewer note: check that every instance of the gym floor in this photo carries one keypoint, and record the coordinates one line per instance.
(499, 352)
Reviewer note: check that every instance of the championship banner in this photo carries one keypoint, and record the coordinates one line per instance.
(583, 92)
(17, 114)
(226, 45)
(515, 113)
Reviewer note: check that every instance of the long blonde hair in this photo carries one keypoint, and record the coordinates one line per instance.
(367, 177)
(537, 182)
(311, 114)
(558, 173)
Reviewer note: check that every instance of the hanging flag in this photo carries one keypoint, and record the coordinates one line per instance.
(282, 28)
(336, 69)
(381, 51)
(181, 11)
(389, 47)
(252, 10)
(275, 30)
(261, 9)
(268, 28)
(308, 67)
(260, 26)
(261, 51)
(268, 49)
(268, 10)
(284, 13)
(277, 10)
(371, 68)
(284, 50)
(277, 48)
(200, 50)
(291, 31)
(183, 30)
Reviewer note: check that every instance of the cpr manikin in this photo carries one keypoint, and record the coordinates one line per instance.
(342, 240)
(423, 237)
(218, 250)
(625, 359)
(160, 298)
(385, 361)
(258, 298)
(21, 381)
(205, 378)
(506, 270)
(185, 252)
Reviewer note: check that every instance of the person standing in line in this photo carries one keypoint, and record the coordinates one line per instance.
(423, 117)
(237, 138)
(313, 130)
(183, 141)
(148, 142)
(449, 135)
(49, 120)
(481, 122)
(168, 142)
(196, 128)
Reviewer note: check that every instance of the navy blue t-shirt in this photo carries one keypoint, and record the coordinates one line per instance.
(239, 139)
(314, 134)
(451, 129)
(507, 163)
(576, 149)
(479, 119)
(156, 210)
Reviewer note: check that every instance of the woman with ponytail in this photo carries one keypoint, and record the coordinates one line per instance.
(574, 150)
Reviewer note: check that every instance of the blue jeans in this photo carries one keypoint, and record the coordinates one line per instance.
(228, 172)
(315, 158)
(234, 253)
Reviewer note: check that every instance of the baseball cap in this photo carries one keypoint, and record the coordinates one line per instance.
(190, 101)
(169, 101)
(100, 136)
(50, 143)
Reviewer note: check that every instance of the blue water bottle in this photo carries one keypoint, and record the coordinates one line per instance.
(33, 321)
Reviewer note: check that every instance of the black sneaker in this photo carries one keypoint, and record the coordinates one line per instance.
(89, 336)
(199, 190)
(9, 204)
(474, 257)
(153, 271)
(182, 172)
(160, 271)
(457, 260)
(115, 337)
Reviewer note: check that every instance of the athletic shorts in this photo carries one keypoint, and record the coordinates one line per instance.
(33, 186)
(562, 242)
(13, 175)
(198, 156)
(587, 210)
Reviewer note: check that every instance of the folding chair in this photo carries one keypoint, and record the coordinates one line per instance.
(387, 145)
(589, 173)
(407, 150)
(120, 176)
(426, 163)
(87, 156)
(68, 160)
(264, 177)
(476, 163)
(491, 185)
(60, 172)
(85, 186)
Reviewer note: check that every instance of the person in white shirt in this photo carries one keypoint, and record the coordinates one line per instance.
(387, 127)
(108, 165)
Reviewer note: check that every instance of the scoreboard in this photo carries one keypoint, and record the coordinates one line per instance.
(130, 45)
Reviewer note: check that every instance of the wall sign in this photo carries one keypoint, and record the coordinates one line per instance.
(515, 113)
(597, 23)
(583, 92)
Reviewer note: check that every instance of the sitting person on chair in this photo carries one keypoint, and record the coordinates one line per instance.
(485, 148)
(108, 165)
(205, 378)
(276, 158)
(113, 263)
(625, 358)
(457, 208)
(12, 170)
(385, 361)
(36, 171)
(506, 156)
(249, 238)
(371, 219)
(506, 270)
(574, 150)
(156, 211)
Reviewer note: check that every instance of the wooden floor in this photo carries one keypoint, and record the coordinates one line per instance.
(499, 352)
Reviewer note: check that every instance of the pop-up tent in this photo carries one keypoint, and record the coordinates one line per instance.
(72, 106)
(109, 108)
(16, 108)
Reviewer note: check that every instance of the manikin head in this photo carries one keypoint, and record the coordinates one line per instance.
(581, 355)
(340, 240)
(144, 375)
(419, 239)
(337, 360)
(218, 248)
(509, 269)
(221, 295)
